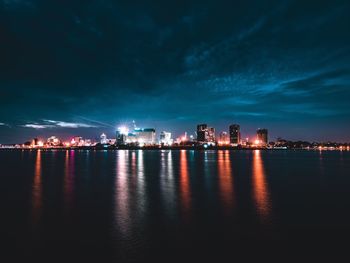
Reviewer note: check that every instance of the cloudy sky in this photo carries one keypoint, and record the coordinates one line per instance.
(82, 67)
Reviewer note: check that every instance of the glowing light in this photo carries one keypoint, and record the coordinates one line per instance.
(225, 180)
(123, 130)
(141, 142)
(260, 187)
(40, 144)
(185, 190)
(37, 190)
(223, 142)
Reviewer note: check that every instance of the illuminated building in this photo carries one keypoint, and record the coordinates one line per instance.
(87, 142)
(262, 137)
(145, 136)
(103, 139)
(211, 135)
(77, 141)
(235, 134)
(224, 139)
(121, 135)
(53, 141)
(35, 142)
(142, 136)
(202, 133)
(165, 138)
(205, 134)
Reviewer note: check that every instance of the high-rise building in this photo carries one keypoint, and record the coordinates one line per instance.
(235, 134)
(211, 135)
(165, 138)
(202, 133)
(121, 135)
(205, 134)
(262, 136)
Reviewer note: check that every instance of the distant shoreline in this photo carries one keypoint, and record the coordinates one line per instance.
(213, 148)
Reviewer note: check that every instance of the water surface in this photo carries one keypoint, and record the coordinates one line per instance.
(172, 205)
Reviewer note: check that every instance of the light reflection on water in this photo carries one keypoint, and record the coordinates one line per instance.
(37, 190)
(184, 181)
(225, 178)
(260, 187)
(122, 196)
(130, 199)
(68, 180)
(141, 183)
(167, 183)
(131, 190)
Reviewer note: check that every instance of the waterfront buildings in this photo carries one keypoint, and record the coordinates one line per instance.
(121, 135)
(145, 136)
(205, 134)
(165, 138)
(53, 141)
(235, 134)
(139, 136)
(262, 137)
(77, 141)
(224, 139)
(202, 133)
(103, 139)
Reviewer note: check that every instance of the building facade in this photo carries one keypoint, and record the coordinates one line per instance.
(235, 134)
(205, 134)
(262, 136)
(202, 133)
(165, 138)
(224, 138)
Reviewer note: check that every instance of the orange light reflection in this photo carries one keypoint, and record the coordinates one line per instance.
(261, 194)
(185, 194)
(37, 189)
(225, 180)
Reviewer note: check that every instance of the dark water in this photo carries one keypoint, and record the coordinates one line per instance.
(116, 206)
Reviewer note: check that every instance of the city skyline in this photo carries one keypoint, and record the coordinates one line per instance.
(204, 136)
(68, 130)
(83, 68)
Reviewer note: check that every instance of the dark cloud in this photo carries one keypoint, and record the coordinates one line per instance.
(171, 64)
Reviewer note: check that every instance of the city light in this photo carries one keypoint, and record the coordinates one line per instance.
(123, 130)
(205, 138)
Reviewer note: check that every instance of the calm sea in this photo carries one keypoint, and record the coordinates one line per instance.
(120, 206)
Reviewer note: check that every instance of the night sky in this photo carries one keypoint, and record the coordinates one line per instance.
(82, 67)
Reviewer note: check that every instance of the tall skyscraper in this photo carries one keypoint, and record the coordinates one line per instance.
(211, 135)
(202, 132)
(121, 135)
(205, 134)
(235, 134)
(262, 136)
